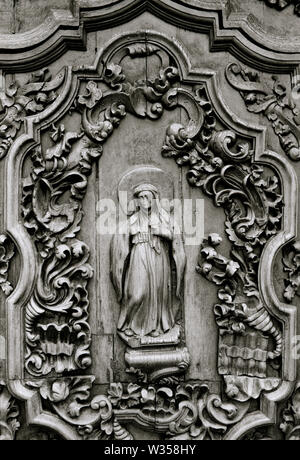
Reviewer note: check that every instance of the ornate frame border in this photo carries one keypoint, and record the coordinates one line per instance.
(239, 33)
(16, 301)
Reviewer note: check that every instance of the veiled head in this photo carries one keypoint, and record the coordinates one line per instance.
(145, 195)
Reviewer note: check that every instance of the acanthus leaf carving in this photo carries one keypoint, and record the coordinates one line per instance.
(282, 4)
(291, 265)
(9, 414)
(17, 102)
(274, 102)
(185, 411)
(290, 417)
(221, 164)
(7, 252)
(52, 211)
(252, 205)
(244, 324)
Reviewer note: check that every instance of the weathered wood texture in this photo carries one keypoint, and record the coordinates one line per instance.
(206, 92)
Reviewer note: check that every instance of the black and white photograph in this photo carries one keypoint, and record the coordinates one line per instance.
(149, 223)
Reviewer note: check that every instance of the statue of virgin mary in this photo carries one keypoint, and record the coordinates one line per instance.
(141, 266)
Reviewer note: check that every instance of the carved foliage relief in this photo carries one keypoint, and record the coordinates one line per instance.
(282, 4)
(273, 101)
(219, 161)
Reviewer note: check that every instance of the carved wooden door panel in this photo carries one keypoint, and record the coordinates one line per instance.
(149, 254)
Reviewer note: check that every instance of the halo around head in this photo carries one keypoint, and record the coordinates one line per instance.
(144, 178)
(145, 188)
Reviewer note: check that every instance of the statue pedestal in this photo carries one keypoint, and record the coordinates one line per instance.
(159, 362)
(171, 337)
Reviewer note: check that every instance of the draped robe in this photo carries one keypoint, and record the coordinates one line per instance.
(141, 272)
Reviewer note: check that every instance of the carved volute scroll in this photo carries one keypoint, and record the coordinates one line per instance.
(59, 137)
(282, 4)
(273, 101)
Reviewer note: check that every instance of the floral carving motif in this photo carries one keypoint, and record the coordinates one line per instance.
(185, 411)
(7, 251)
(9, 413)
(237, 279)
(281, 4)
(17, 102)
(52, 211)
(252, 204)
(57, 324)
(274, 102)
(291, 262)
(261, 434)
(290, 417)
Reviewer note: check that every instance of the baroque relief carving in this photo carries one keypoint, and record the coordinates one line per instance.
(142, 252)
(291, 265)
(246, 327)
(17, 102)
(9, 414)
(290, 417)
(7, 251)
(56, 320)
(219, 161)
(282, 4)
(274, 102)
(146, 295)
(186, 411)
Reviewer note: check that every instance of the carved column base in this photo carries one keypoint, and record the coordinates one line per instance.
(158, 363)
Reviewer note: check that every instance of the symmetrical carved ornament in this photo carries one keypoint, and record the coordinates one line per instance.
(182, 411)
(229, 29)
(220, 160)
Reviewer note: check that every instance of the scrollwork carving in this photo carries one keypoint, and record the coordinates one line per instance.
(7, 251)
(243, 353)
(17, 102)
(252, 205)
(221, 163)
(282, 4)
(184, 411)
(290, 417)
(274, 102)
(9, 414)
(62, 341)
(291, 265)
